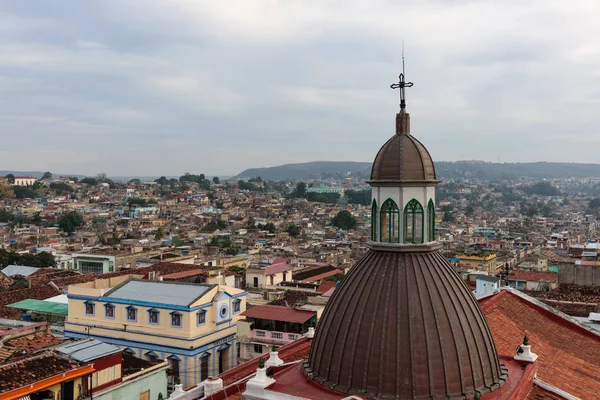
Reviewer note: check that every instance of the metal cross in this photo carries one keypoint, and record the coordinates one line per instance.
(401, 85)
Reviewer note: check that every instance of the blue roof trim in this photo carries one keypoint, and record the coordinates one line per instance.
(139, 303)
(224, 321)
(183, 351)
(151, 334)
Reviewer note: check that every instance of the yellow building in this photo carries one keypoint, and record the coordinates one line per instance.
(192, 326)
(483, 262)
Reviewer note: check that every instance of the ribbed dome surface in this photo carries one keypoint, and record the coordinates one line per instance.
(404, 326)
(403, 158)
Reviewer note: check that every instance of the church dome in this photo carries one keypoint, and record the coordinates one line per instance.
(402, 325)
(403, 158)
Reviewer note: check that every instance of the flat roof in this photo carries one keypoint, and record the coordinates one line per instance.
(172, 293)
(279, 313)
(42, 306)
(22, 270)
(88, 350)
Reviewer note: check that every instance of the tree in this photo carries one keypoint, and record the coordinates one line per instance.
(101, 177)
(300, 191)
(594, 203)
(74, 179)
(470, 210)
(24, 192)
(6, 192)
(162, 180)
(293, 230)
(159, 234)
(134, 181)
(70, 222)
(10, 178)
(344, 220)
(216, 180)
(448, 217)
(358, 197)
(89, 181)
(47, 175)
(61, 188)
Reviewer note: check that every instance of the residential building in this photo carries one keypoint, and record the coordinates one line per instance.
(533, 280)
(271, 275)
(192, 326)
(24, 180)
(118, 375)
(478, 262)
(44, 375)
(265, 326)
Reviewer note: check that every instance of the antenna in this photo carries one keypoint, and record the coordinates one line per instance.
(403, 71)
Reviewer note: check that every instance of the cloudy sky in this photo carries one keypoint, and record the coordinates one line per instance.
(149, 87)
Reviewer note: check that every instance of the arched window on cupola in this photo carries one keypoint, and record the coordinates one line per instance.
(413, 222)
(431, 220)
(389, 227)
(374, 220)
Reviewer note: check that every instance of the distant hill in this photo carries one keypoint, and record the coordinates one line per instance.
(307, 170)
(35, 174)
(444, 169)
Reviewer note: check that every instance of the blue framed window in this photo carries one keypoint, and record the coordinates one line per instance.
(151, 356)
(201, 318)
(109, 311)
(90, 308)
(176, 319)
(129, 351)
(131, 314)
(153, 316)
(237, 306)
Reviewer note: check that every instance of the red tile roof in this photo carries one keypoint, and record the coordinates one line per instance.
(325, 286)
(533, 276)
(279, 313)
(295, 351)
(569, 355)
(33, 342)
(277, 268)
(31, 370)
(183, 274)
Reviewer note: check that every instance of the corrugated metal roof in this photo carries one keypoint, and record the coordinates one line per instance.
(88, 350)
(22, 270)
(180, 294)
(42, 306)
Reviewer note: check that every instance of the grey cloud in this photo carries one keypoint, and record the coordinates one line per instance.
(160, 87)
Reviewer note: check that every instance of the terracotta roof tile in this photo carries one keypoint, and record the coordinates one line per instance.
(533, 276)
(569, 355)
(23, 372)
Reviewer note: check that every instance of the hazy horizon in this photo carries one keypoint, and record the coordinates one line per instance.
(150, 87)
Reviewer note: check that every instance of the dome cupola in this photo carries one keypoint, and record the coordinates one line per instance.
(403, 324)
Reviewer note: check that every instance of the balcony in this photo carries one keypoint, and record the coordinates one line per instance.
(274, 337)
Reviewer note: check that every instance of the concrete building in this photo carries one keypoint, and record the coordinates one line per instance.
(476, 262)
(265, 326)
(271, 275)
(192, 326)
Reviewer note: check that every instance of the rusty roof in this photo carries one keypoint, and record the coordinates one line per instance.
(403, 325)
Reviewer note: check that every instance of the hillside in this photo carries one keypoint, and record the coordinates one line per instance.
(445, 170)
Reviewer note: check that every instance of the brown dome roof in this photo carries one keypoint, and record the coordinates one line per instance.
(403, 158)
(404, 326)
